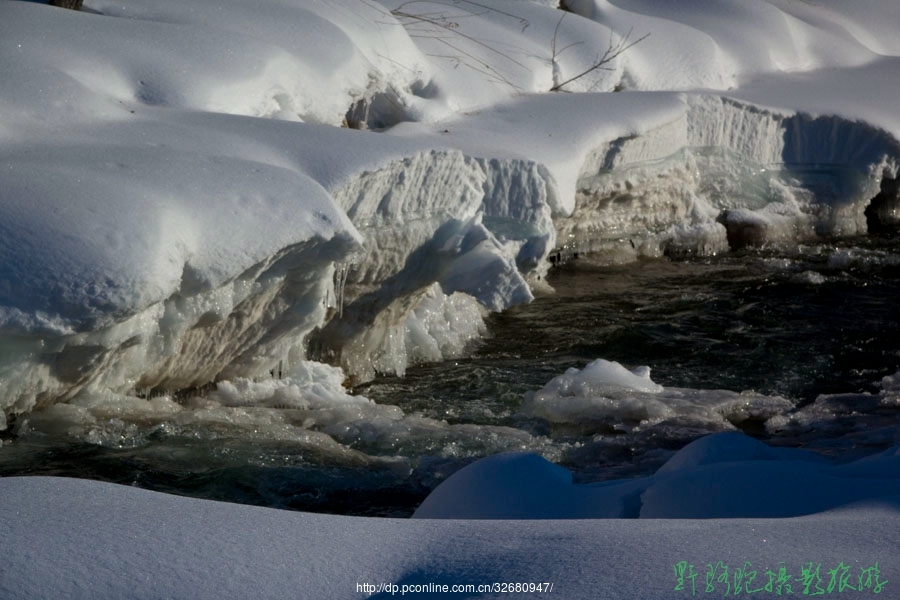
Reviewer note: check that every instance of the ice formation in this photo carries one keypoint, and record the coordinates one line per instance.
(606, 397)
(181, 205)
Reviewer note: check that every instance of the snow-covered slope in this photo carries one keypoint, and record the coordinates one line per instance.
(164, 226)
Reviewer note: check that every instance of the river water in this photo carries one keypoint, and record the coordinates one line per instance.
(809, 335)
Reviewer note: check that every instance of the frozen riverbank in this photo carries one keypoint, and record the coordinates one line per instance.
(203, 203)
(178, 215)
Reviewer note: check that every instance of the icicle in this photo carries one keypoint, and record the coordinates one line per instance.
(341, 271)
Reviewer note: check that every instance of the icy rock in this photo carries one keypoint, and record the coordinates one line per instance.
(604, 393)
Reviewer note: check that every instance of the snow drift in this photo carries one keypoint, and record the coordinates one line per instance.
(141, 544)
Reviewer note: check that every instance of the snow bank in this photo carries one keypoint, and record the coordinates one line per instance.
(759, 162)
(73, 537)
(130, 130)
(163, 229)
(724, 475)
(294, 61)
(113, 275)
(728, 173)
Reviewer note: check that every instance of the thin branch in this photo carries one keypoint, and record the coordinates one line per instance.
(452, 26)
(555, 34)
(485, 69)
(522, 21)
(612, 53)
(427, 24)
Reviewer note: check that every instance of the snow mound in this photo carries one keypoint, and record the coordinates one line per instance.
(292, 61)
(724, 475)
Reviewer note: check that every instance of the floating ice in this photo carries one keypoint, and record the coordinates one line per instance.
(605, 397)
(306, 409)
(601, 375)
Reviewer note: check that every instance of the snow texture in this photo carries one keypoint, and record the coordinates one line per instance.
(75, 538)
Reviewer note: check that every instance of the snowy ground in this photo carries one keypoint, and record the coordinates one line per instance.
(72, 538)
(204, 191)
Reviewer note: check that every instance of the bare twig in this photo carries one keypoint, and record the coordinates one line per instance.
(73, 4)
(453, 27)
(442, 27)
(434, 24)
(613, 51)
(554, 52)
(522, 21)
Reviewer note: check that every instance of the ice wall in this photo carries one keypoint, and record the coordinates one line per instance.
(400, 268)
(445, 234)
(727, 173)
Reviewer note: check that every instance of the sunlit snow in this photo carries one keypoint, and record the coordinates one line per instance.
(196, 194)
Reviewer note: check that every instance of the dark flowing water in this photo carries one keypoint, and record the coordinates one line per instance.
(816, 321)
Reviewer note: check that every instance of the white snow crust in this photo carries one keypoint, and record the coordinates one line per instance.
(74, 537)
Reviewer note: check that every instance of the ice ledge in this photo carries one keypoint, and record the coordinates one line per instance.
(729, 173)
(445, 234)
(245, 327)
(394, 263)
